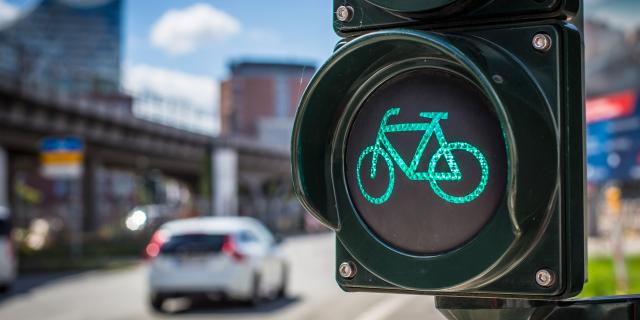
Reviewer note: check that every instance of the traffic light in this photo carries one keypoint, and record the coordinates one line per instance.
(443, 142)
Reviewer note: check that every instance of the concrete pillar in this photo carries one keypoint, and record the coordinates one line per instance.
(224, 181)
(4, 178)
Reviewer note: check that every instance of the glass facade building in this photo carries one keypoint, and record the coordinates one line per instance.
(62, 46)
(55, 55)
(260, 99)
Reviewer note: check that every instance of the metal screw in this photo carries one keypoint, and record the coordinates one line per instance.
(347, 270)
(344, 13)
(542, 42)
(545, 278)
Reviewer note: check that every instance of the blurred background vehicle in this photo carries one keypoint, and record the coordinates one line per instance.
(150, 217)
(7, 255)
(221, 258)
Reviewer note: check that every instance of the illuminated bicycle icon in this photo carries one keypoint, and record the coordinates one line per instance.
(383, 148)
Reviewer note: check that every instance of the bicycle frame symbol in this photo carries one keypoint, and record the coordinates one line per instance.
(383, 148)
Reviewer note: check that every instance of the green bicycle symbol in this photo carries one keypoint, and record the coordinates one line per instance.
(383, 148)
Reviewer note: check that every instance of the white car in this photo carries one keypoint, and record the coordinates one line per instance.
(7, 256)
(218, 257)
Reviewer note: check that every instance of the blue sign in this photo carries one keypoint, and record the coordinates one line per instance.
(61, 158)
(613, 144)
(61, 144)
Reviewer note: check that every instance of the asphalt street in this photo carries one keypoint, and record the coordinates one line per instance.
(122, 294)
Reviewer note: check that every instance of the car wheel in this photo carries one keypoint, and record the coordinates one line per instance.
(156, 301)
(282, 289)
(256, 297)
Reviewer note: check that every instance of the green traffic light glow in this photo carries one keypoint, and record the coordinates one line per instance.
(383, 148)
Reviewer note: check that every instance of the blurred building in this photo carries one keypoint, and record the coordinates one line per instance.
(69, 47)
(259, 100)
(612, 57)
(72, 48)
(173, 98)
(612, 63)
(60, 79)
(258, 103)
(175, 111)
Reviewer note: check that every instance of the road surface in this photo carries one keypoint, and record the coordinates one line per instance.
(122, 294)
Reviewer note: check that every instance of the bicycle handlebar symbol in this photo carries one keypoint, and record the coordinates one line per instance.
(383, 148)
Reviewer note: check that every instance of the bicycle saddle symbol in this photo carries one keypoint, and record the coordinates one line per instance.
(382, 147)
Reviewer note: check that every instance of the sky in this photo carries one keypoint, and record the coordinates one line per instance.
(181, 47)
(201, 37)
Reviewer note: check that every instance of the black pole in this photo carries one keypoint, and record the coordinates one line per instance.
(601, 308)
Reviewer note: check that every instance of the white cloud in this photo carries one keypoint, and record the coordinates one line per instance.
(183, 97)
(182, 31)
(8, 12)
(198, 90)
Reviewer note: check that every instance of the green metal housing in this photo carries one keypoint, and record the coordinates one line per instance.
(371, 15)
(538, 99)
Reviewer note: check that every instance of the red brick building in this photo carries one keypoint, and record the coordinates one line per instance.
(259, 100)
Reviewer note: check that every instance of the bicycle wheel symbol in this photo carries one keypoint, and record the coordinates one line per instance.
(375, 152)
(434, 176)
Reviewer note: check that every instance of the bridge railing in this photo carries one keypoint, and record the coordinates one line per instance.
(116, 104)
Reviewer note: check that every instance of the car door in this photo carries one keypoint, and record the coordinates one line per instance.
(258, 249)
(273, 265)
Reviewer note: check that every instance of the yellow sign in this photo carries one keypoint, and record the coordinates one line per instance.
(613, 197)
(61, 158)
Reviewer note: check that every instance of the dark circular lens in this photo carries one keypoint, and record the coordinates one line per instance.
(426, 162)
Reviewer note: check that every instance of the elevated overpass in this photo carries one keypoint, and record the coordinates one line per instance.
(227, 175)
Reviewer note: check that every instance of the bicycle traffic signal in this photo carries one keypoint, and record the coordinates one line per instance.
(443, 142)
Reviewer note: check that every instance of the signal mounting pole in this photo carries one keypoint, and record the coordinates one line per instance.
(603, 308)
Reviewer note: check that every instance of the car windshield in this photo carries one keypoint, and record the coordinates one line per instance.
(193, 244)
